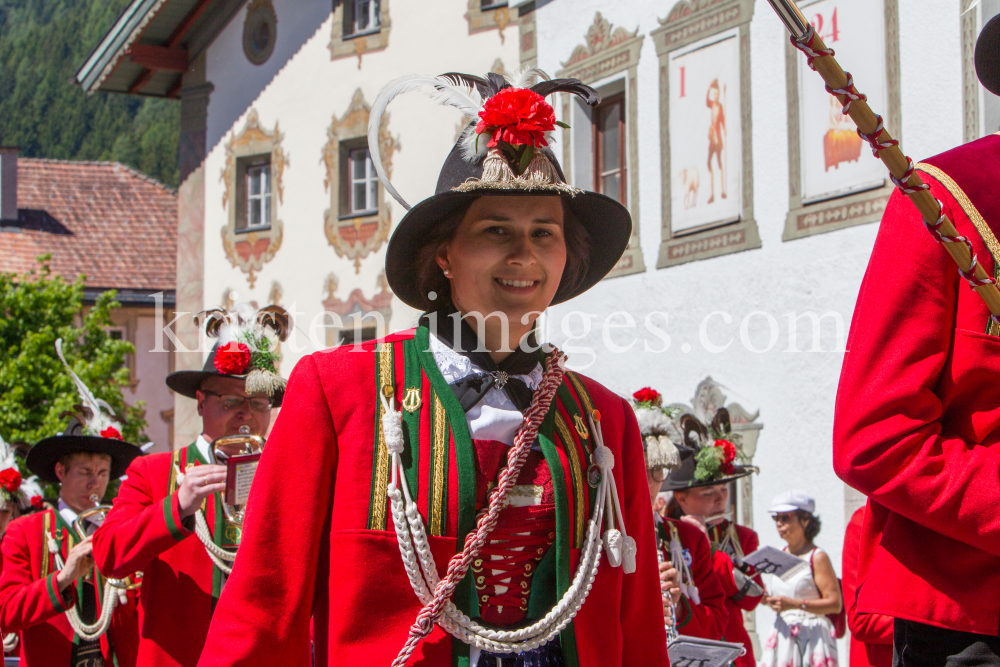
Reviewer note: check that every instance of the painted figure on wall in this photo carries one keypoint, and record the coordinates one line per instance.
(716, 138)
(841, 143)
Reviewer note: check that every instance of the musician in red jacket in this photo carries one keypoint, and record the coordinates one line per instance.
(48, 574)
(152, 526)
(917, 414)
(871, 634)
(403, 500)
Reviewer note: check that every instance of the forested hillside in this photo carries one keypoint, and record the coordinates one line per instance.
(42, 43)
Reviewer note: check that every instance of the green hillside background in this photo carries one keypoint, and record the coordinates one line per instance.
(42, 43)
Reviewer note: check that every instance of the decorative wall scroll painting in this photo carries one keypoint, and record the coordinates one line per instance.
(834, 162)
(706, 155)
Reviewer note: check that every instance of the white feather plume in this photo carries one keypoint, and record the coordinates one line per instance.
(7, 459)
(442, 89)
(971, 7)
(29, 489)
(652, 421)
(98, 420)
(526, 77)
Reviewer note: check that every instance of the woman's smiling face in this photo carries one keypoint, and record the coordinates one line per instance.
(507, 256)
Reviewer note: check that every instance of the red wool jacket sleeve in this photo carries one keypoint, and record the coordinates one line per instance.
(138, 528)
(889, 439)
(865, 627)
(25, 601)
(263, 616)
(708, 619)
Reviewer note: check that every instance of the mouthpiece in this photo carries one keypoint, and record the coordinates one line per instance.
(244, 430)
(94, 499)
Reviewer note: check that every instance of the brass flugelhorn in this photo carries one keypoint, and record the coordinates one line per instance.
(129, 583)
(239, 453)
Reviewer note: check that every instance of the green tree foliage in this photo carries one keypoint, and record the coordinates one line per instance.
(42, 44)
(36, 308)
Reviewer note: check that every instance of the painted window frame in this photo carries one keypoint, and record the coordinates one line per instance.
(600, 62)
(687, 23)
(369, 180)
(483, 15)
(855, 208)
(346, 43)
(263, 168)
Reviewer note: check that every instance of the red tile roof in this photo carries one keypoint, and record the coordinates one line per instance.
(102, 219)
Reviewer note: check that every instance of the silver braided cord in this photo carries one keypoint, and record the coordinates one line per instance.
(223, 558)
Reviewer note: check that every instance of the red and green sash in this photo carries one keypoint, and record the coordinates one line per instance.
(224, 533)
(440, 470)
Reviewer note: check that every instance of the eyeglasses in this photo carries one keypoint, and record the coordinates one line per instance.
(658, 473)
(232, 402)
(782, 518)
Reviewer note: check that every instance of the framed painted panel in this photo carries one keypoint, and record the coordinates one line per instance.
(705, 130)
(834, 182)
(705, 156)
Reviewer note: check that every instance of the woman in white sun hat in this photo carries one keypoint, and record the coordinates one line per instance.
(802, 635)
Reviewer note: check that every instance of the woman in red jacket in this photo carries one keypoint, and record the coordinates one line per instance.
(409, 539)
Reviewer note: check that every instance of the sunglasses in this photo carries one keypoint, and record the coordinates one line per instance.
(232, 402)
(783, 518)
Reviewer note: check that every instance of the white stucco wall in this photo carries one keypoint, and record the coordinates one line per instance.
(301, 89)
(794, 391)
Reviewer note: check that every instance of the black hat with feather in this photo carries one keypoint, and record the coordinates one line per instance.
(245, 351)
(710, 455)
(505, 151)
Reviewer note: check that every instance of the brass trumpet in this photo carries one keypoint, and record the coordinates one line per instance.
(240, 454)
(128, 583)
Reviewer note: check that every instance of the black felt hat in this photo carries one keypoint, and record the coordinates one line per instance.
(988, 55)
(698, 436)
(473, 170)
(238, 325)
(42, 458)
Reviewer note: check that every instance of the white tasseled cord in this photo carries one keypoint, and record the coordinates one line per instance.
(421, 568)
(114, 594)
(619, 546)
(688, 587)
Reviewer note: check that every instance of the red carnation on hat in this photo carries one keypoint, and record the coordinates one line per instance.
(36, 501)
(519, 116)
(232, 358)
(112, 432)
(648, 395)
(10, 480)
(728, 455)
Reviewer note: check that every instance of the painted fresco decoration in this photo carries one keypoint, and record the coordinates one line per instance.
(480, 20)
(705, 132)
(345, 42)
(355, 236)
(356, 304)
(832, 160)
(249, 250)
(600, 37)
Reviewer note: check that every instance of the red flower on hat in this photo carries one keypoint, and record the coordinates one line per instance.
(112, 432)
(232, 358)
(36, 501)
(648, 395)
(10, 480)
(519, 116)
(728, 455)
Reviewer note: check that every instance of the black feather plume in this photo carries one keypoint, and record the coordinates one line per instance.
(573, 86)
(481, 84)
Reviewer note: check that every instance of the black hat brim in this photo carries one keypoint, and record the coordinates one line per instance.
(187, 383)
(607, 222)
(680, 482)
(42, 458)
(988, 55)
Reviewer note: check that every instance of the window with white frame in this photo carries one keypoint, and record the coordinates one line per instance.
(258, 184)
(366, 15)
(363, 182)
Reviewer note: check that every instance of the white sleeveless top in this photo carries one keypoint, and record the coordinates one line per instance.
(799, 586)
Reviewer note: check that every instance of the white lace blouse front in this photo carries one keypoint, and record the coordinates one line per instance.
(494, 417)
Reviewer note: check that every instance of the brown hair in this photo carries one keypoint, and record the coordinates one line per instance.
(430, 278)
(810, 523)
(67, 459)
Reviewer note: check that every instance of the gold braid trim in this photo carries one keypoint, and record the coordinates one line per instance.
(439, 447)
(574, 462)
(385, 379)
(985, 233)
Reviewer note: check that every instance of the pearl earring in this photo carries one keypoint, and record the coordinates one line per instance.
(447, 273)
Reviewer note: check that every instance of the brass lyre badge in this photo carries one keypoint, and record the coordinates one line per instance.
(581, 427)
(412, 400)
